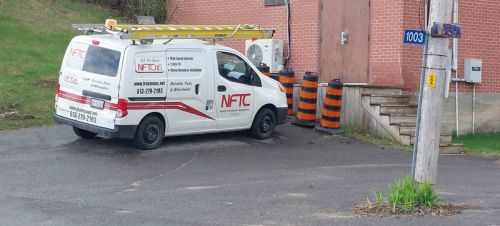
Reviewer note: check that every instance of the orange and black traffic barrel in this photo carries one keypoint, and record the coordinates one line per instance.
(287, 79)
(306, 115)
(275, 76)
(330, 119)
(266, 70)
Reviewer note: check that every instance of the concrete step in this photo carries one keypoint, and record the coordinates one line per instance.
(408, 131)
(407, 124)
(380, 91)
(452, 149)
(446, 139)
(404, 115)
(389, 99)
(413, 101)
(402, 120)
(400, 109)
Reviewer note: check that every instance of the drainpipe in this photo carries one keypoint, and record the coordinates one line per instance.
(474, 108)
(288, 24)
(455, 63)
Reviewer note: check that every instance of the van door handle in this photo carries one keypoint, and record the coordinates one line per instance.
(210, 105)
(197, 89)
(221, 88)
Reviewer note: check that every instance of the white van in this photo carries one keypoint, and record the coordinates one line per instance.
(120, 88)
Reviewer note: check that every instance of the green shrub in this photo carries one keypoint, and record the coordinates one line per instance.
(406, 196)
(132, 8)
(154, 8)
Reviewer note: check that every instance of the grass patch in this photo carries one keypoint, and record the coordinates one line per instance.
(381, 142)
(35, 35)
(482, 144)
(406, 197)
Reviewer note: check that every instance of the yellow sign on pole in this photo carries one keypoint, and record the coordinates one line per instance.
(431, 80)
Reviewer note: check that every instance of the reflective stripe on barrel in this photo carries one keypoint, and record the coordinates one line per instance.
(287, 80)
(333, 105)
(308, 98)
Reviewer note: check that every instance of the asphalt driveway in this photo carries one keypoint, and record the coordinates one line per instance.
(50, 177)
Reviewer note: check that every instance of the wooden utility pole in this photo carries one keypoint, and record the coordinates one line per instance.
(433, 96)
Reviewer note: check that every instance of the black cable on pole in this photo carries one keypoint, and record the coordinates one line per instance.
(288, 33)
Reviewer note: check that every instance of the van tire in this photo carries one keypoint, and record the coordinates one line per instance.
(84, 133)
(150, 133)
(264, 124)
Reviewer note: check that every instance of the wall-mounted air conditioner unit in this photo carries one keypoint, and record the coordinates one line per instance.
(267, 51)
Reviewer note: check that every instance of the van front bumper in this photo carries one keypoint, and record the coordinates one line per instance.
(282, 113)
(120, 131)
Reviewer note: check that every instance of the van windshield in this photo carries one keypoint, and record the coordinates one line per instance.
(101, 61)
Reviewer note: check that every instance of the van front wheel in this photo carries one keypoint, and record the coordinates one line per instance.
(84, 133)
(149, 134)
(264, 124)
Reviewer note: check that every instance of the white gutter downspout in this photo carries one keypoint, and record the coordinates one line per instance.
(455, 63)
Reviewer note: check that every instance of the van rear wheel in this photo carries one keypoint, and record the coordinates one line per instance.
(264, 124)
(84, 133)
(149, 134)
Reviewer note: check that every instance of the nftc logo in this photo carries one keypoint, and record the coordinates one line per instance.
(78, 53)
(228, 100)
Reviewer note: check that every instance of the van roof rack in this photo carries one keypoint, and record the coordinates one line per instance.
(164, 31)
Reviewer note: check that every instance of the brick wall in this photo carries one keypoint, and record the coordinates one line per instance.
(412, 54)
(391, 63)
(304, 29)
(477, 42)
(386, 22)
(480, 24)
